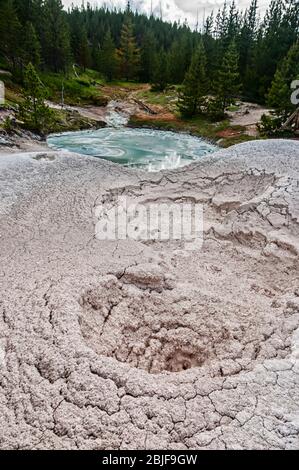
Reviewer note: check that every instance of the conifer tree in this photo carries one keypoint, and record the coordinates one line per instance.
(209, 45)
(279, 96)
(247, 36)
(271, 48)
(179, 59)
(56, 36)
(233, 24)
(228, 85)
(10, 30)
(195, 86)
(83, 50)
(79, 40)
(31, 46)
(161, 72)
(33, 111)
(128, 53)
(108, 58)
(148, 57)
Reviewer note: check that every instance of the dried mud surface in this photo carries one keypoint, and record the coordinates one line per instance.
(130, 345)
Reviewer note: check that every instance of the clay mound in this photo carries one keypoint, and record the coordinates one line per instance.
(148, 345)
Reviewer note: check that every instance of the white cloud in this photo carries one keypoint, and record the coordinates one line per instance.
(173, 10)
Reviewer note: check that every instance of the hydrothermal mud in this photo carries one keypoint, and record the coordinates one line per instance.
(123, 344)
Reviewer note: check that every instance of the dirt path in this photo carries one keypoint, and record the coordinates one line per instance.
(248, 115)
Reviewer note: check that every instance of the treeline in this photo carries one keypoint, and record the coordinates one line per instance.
(131, 46)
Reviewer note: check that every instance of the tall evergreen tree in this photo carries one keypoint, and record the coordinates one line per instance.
(247, 35)
(79, 40)
(161, 71)
(210, 45)
(31, 46)
(10, 33)
(277, 36)
(56, 36)
(228, 85)
(29, 11)
(108, 58)
(247, 40)
(83, 50)
(195, 87)
(33, 111)
(180, 58)
(233, 24)
(148, 57)
(128, 53)
(279, 96)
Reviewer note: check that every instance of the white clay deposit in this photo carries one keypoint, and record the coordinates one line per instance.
(131, 345)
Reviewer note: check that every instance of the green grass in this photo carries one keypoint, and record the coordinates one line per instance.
(12, 97)
(126, 85)
(233, 108)
(84, 89)
(158, 98)
(78, 90)
(199, 126)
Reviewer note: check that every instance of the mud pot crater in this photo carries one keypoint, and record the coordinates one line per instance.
(166, 331)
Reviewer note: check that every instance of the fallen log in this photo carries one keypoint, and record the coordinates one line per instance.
(292, 121)
(145, 107)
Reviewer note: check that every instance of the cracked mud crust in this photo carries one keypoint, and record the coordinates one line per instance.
(130, 345)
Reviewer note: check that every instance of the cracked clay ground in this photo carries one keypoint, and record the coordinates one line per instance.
(128, 345)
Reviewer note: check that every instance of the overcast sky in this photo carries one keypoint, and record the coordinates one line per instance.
(173, 9)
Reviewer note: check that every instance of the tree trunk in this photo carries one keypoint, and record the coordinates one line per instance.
(292, 122)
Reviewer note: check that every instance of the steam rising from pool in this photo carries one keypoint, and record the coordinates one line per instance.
(140, 148)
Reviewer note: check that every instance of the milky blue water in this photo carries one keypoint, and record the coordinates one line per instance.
(140, 148)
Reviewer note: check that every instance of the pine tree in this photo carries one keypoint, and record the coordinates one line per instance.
(108, 58)
(83, 50)
(247, 36)
(228, 81)
(148, 57)
(28, 11)
(220, 34)
(10, 30)
(195, 86)
(161, 72)
(56, 36)
(179, 59)
(128, 53)
(79, 40)
(233, 24)
(33, 111)
(273, 46)
(209, 45)
(279, 96)
(31, 46)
